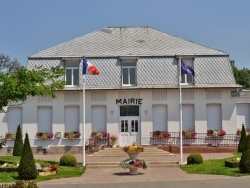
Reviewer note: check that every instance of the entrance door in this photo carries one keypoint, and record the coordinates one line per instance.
(129, 125)
(129, 131)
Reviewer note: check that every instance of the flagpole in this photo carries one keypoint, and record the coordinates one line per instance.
(83, 120)
(181, 145)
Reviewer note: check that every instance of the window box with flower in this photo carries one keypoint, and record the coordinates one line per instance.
(188, 134)
(44, 135)
(216, 133)
(161, 134)
(10, 136)
(99, 134)
(238, 132)
(72, 135)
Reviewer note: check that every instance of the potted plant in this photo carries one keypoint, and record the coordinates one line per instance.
(113, 139)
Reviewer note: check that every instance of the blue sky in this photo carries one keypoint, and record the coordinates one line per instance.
(30, 26)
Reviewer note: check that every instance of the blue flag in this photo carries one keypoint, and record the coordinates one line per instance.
(185, 69)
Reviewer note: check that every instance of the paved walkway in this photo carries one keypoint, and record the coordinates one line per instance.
(115, 175)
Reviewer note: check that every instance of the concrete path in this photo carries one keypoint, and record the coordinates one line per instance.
(100, 176)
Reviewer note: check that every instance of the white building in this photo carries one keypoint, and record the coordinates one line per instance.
(137, 91)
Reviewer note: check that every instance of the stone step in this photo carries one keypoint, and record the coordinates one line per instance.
(111, 152)
(117, 164)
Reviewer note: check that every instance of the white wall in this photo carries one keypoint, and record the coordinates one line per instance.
(199, 98)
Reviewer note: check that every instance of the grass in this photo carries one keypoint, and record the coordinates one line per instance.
(63, 171)
(215, 166)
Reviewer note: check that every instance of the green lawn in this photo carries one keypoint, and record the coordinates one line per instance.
(63, 171)
(216, 166)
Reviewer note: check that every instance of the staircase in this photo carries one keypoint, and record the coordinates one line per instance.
(111, 157)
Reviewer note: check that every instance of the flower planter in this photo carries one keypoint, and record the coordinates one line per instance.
(133, 169)
(47, 173)
(133, 154)
(133, 163)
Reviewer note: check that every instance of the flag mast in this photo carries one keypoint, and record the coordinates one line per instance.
(180, 106)
(83, 120)
(86, 67)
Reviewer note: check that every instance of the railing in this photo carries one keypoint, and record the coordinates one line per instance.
(95, 144)
(198, 139)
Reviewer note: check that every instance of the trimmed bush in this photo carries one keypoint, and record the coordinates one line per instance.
(194, 158)
(27, 167)
(244, 165)
(232, 164)
(68, 160)
(18, 145)
(247, 146)
(243, 140)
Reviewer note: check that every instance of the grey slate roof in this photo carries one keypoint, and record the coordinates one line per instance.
(127, 41)
(156, 66)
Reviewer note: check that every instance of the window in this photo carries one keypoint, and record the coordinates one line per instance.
(72, 76)
(128, 76)
(188, 79)
(129, 110)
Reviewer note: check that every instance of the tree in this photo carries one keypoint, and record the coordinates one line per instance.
(17, 82)
(242, 76)
(18, 145)
(27, 167)
(243, 140)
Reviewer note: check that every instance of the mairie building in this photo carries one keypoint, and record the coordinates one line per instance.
(137, 91)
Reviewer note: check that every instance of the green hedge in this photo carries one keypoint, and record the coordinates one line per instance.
(232, 164)
(9, 169)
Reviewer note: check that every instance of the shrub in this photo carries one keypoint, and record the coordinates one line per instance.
(247, 146)
(244, 165)
(28, 184)
(18, 145)
(68, 160)
(232, 164)
(194, 158)
(243, 139)
(27, 167)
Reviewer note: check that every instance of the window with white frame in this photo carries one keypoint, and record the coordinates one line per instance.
(128, 75)
(72, 76)
(188, 79)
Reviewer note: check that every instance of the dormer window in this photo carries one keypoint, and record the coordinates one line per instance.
(72, 74)
(128, 65)
(188, 79)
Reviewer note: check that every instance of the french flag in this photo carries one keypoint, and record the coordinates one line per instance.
(89, 67)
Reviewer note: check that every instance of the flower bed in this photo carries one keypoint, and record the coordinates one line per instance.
(46, 170)
(9, 167)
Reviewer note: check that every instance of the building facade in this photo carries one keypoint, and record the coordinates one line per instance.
(137, 91)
